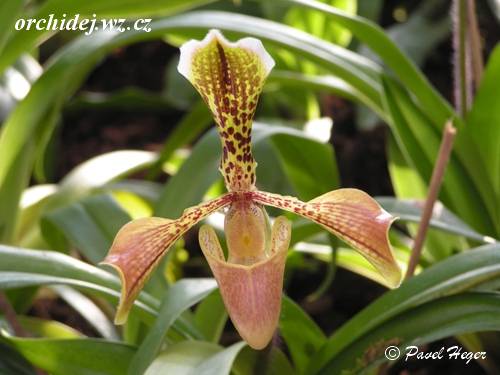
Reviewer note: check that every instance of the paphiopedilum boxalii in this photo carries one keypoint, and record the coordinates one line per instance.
(230, 77)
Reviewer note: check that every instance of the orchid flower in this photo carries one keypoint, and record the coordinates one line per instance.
(230, 77)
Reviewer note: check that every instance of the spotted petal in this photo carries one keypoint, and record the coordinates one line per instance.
(351, 215)
(140, 244)
(229, 77)
(251, 293)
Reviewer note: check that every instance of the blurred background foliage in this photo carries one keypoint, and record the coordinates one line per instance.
(100, 129)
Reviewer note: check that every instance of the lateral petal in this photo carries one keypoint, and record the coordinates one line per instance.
(229, 77)
(140, 244)
(353, 216)
(251, 294)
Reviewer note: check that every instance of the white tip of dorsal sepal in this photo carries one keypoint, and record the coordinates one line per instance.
(189, 48)
(256, 46)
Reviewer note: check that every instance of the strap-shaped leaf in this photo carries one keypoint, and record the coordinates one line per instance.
(229, 77)
(140, 244)
(353, 216)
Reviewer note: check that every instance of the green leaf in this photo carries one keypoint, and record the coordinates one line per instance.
(24, 267)
(74, 356)
(48, 328)
(36, 267)
(451, 276)
(104, 169)
(411, 210)
(309, 164)
(91, 49)
(15, 259)
(128, 99)
(296, 81)
(408, 184)
(436, 108)
(44, 141)
(270, 173)
(350, 259)
(462, 313)
(9, 10)
(407, 211)
(12, 363)
(178, 298)
(71, 64)
(406, 181)
(211, 316)
(187, 130)
(10, 195)
(181, 358)
(347, 65)
(482, 124)
(406, 35)
(90, 225)
(127, 8)
(81, 181)
(178, 91)
(302, 336)
(10, 280)
(220, 363)
(419, 143)
(88, 310)
(377, 40)
(89, 176)
(181, 191)
(25, 40)
(147, 190)
(317, 24)
(195, 357)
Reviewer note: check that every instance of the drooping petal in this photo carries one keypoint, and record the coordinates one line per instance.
(229, 77)
(353, 216)
(140, 244)
(251, 294)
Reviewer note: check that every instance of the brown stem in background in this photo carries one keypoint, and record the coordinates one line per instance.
(10, 315)
(474, 39)
(449, 133)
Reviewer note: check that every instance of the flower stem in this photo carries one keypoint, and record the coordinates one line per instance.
(449, 133)
(474, 39)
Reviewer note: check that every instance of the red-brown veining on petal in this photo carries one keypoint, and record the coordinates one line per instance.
(140, 244)
(353, 216)
(251, 293)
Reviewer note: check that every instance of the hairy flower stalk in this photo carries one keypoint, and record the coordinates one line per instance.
(230, 77)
